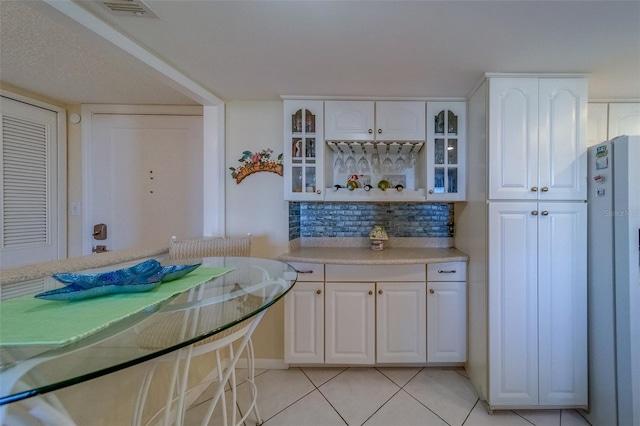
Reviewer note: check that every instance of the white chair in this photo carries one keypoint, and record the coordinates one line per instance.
(208, 247)
(185, 321)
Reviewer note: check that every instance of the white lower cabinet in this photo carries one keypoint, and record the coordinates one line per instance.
(400, 322)
(377, 314)
(447, 322)
(304, 316)
(537, 304)
(349, 323)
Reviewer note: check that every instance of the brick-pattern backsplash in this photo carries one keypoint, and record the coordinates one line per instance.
(357, 219)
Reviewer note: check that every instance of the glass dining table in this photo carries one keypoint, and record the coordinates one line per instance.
(132, 357)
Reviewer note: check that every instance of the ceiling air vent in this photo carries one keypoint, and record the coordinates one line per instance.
(129, 8)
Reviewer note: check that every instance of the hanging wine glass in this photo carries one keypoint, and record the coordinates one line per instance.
(351, 164)
(375, 162)
(339, 164)
(363, 164)
(400, 164)
(387, 164)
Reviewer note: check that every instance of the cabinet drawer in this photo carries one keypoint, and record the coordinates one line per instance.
(447, 271)
(375, 273)
(309, 271)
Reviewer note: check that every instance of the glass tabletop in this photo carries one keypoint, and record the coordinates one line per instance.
(248, 287)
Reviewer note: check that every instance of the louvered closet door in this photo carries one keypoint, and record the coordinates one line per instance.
(28, 228)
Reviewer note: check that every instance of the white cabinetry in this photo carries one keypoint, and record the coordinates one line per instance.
(400, 322)
(446, 312)
(537, 134)
(377, 314)
(624, 119)
(304, 316)
(446, 151)
(525, 231)
(608, 120)
(303, 150)
(369, 120)
(537, 300)
(350, 323)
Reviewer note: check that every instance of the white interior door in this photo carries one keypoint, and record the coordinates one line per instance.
(32, 206)
(145, 179)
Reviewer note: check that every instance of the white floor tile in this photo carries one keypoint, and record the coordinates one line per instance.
(541, 417)
(404, 410)
(398, 375)
(447, 393)
(196, 413)
(480, 417)
(358, 392)
(277, 389)
(321, 375)
(572, 418)
(312, 410)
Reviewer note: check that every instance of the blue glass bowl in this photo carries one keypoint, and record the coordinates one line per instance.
(144, 276)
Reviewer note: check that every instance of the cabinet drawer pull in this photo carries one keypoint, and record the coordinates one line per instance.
(431, 291)
(442, 271)
(370, 292)
(318, 291)
(310, 271)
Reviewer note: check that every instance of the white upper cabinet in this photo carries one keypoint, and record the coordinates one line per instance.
(537, 133)
(400, 121)
(624, 119)
(446, 151)
(369, 120)
(562, 132)
(303, 150)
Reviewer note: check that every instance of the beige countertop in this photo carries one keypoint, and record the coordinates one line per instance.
(366, 256)
(39, 270)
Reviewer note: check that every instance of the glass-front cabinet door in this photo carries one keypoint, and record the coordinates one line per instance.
(303, 144)
(446, 143)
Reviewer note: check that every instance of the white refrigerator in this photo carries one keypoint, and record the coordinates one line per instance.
(614, 282)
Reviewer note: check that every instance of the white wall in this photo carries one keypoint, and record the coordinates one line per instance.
(257, 205)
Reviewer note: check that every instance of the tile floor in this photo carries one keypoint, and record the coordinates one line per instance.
(375, 397)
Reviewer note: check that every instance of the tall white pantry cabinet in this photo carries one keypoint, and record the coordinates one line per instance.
(524, 228)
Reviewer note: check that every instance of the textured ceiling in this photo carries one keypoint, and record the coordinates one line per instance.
(260, 50)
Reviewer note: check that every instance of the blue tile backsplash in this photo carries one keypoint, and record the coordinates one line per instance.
(357, 219)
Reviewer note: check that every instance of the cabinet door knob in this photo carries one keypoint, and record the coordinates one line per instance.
(370, 292)
(535, 212)
(370, 131)
(431, 191)
(544, 189)
(534, 189)
(545, 213)
(431, 291)
(379, 291)
(379, 131)
(318, 291)
(318, 192)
